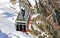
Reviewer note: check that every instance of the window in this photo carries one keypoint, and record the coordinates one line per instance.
(17, 27)
(20, 27)
(24, 27)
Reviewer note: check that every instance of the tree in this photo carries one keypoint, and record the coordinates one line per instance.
(45, 22)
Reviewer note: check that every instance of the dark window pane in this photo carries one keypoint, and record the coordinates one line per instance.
(24, 28)
(17, 27)
(23, 12)
(20, 27)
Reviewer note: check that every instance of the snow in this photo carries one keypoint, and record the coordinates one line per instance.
(39, 21)
(32, 2)
(7, 24)
(3, 35)
(17, 7)
(1, 11)
(4, 1)
(35, 15)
